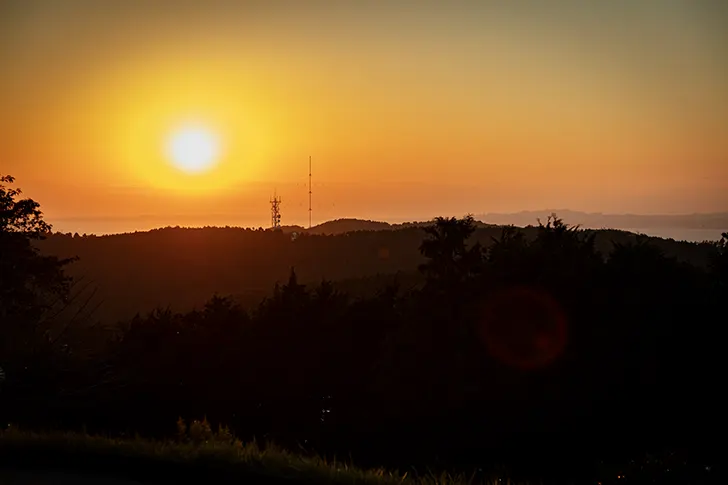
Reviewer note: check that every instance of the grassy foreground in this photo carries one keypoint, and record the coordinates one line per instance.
(208, 456)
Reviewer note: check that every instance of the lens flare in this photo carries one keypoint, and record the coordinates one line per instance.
(523, 327)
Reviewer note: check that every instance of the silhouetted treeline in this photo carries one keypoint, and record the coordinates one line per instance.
(534, 348)
(181, 268)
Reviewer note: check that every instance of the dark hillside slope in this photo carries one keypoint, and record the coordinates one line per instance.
(343, 226)
(183, 268)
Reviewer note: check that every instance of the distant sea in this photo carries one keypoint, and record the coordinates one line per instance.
(680, 234)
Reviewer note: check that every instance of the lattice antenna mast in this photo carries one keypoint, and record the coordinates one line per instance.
(275, 212)
(309, 192)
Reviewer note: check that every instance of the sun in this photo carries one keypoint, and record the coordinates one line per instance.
(193, 149)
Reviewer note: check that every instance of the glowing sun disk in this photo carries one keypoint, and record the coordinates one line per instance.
(193, 149)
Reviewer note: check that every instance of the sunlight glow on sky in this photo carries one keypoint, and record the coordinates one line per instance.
(409, 109)
(193, 149)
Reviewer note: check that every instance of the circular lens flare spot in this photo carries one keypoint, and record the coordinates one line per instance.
(523, 327)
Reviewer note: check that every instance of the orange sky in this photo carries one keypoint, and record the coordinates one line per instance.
(409, 109)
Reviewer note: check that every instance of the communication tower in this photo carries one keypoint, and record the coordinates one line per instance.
(309, 192)
(275, 212)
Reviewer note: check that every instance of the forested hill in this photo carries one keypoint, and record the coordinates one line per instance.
(182, 268)
(342, 226)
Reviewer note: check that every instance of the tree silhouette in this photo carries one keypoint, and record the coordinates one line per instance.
(20, 215)
(719, 260)
(32, 286)
(30, 283)
(450, 261)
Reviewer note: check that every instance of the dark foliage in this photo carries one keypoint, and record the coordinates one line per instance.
(537, 341)
(182, 267)
(33, 287)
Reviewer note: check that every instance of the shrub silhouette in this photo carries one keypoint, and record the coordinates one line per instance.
(200, 431)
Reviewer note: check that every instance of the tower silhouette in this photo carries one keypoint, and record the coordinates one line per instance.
(275, 212)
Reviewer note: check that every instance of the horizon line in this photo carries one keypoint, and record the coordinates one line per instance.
(387, 219)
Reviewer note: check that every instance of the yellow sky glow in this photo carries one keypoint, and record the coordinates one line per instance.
(407, 113)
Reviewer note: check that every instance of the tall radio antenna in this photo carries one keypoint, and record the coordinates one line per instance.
(309, 192)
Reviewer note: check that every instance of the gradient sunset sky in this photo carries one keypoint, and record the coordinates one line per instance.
(410, 109)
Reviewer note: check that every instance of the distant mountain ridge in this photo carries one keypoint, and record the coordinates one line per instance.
(717, 220)
(342, 226)
(714, 223)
